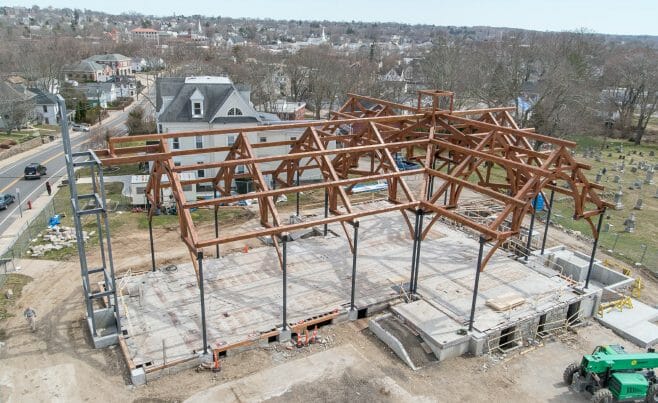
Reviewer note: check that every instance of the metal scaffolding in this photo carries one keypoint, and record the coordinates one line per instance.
(98, 283)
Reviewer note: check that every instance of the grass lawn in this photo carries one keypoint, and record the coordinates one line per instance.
(629, 246)
(128, 169)
(15, 282)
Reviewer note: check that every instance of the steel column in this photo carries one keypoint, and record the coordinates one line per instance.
(530, 229)
(216, 225)
(548, 221)
(284, 258)
(297, 183)
(326, 210)
(420, 214)
(199, 257)
(477, 283)
(354, 254)
(413, 255)
(445, 194)
(596, 243)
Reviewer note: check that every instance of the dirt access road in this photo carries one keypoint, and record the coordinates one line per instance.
(58, 364)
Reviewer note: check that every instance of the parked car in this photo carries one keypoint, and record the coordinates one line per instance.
(34, 171)
(80, 127)
(5, 200)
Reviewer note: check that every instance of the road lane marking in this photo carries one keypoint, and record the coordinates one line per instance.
(15, 181)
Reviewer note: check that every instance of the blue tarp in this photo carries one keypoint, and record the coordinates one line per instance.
(54, 221)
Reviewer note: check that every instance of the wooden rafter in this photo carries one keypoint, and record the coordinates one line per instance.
(475, 144)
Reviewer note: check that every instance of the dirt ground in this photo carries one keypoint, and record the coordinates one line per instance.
(57, 362)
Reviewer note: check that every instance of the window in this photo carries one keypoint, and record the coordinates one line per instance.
(47, 121)
(175, 143)
(292, 139)
(197, 110)
(239, 169)
(199, 141)
(200, 173)
(234, 112)
(262, 139)
(176, 163)
(187, 188)
(45, 108)
(159, 127)
(230, 140)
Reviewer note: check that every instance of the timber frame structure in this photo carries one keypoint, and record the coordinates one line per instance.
(482, 150)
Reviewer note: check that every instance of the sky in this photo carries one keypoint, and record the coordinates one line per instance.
(628, 17)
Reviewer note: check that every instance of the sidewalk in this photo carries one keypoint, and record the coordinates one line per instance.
(20, 224)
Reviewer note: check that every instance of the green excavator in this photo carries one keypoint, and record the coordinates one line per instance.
(611, 374)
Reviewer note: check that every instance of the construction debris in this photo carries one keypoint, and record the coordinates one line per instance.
(56, 238)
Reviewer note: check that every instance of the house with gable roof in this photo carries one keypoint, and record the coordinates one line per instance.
(211, 102)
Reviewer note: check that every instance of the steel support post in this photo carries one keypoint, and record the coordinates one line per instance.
(430, 186)
(445, 194)
(413, 255)
(596, 244)
(354, 254)
(326, 210)
(216, 225)
(548, 221)
(199, 258)
(297, 184)
(284, 258)
(531, 228)
(420, 214)
(477, 283)
(151, 243)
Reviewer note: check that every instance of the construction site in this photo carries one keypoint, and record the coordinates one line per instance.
(450, 254)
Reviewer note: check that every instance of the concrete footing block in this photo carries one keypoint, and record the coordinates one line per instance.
(138, 376)
(284, 336)
(353, 314)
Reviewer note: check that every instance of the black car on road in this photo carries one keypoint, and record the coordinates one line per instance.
(5, 200)
(34, 171)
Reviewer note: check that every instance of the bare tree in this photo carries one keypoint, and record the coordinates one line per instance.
(631, 78)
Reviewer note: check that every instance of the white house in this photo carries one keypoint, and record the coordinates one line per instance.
(206, 103)
(46, 107)
(138, 187)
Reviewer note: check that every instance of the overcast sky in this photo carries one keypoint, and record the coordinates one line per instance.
(635, 17)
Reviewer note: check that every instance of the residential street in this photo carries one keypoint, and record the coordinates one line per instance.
(52, 156)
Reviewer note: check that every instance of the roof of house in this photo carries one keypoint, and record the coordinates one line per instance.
(215, 91)
(42, 97)
(110, 57)
(85, 66)
(144, 30)
(10, 92)
(94, 90)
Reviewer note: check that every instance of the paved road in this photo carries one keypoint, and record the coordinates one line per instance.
(52, 156)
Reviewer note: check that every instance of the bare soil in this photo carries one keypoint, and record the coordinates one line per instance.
(58, 363)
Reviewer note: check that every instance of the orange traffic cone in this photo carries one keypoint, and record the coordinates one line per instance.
(306, 341)
(299, 340)
(314, 338)
(245, 249)
(216, 367)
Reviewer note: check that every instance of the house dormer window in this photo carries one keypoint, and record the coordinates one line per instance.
(234, 112)
(197, 109)
(196, 101)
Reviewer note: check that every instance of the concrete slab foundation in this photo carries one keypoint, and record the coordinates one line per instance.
(637, 324)
(244, 293)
